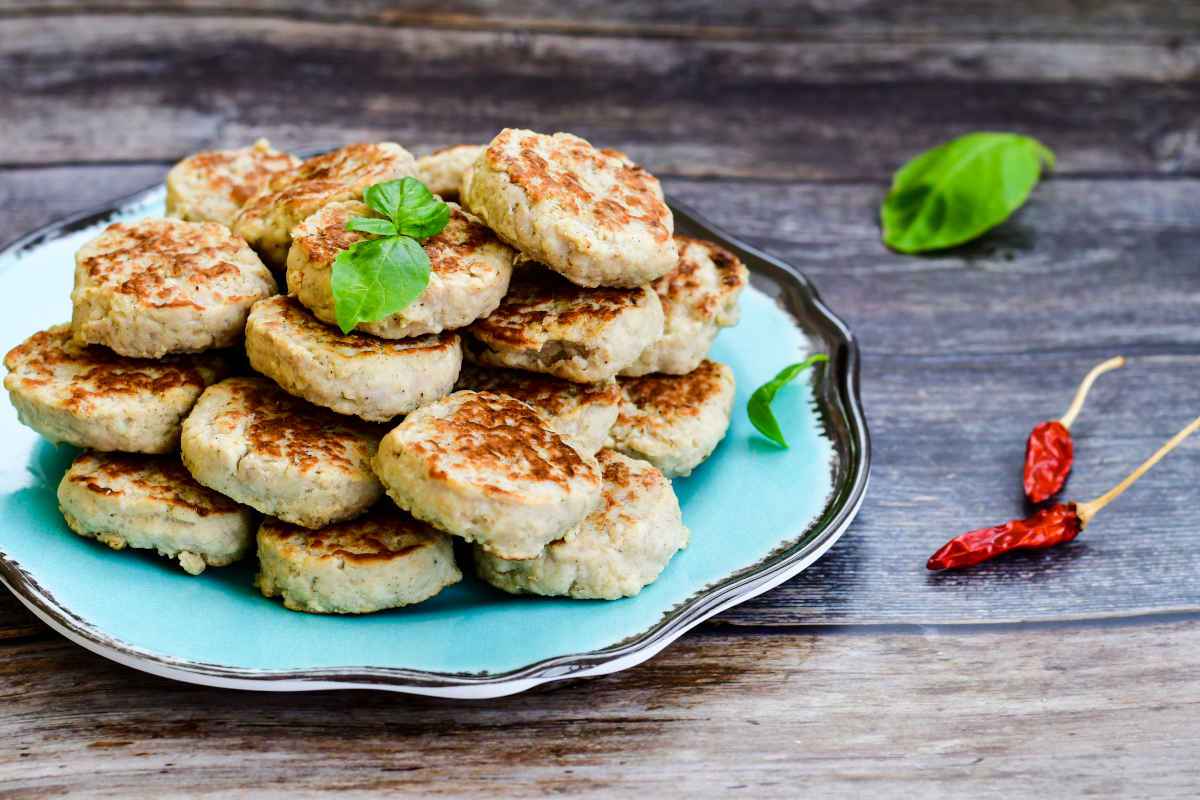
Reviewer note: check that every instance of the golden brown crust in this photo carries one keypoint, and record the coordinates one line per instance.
(239, 174)
(545, 168)
(95, 373)
(165, 263)
(539, 299)
(161, 479)
(685, 285)
(296, 317)
(285, 427)
(502, 436)
(382, 534)
(673, 396)
(550, 394)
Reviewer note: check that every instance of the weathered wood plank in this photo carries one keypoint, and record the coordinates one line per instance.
(808, 19)
(149, 88)
(883, 714)
(954, 377)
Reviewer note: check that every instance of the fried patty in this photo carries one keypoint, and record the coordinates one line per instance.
(582, 412)
(547, 324)
(488, 468)
(469, 272)
(674, 421)
(383, 559)
(214, 185)
(250, 440)
(91, 397)
(159, 286)
(442, 170)
(591, 215)
(288, 198)
(375, 379)
(619, 549)
(699, 297)
(151, 502)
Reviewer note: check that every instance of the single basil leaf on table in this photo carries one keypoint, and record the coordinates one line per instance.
(759, 406)
(961, 189)
(372, 225)
(377, 277)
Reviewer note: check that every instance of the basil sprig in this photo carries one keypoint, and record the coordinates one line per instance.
(375, 278)
(961, 189)
(759, 406)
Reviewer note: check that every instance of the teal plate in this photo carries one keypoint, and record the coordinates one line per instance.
(758, 515)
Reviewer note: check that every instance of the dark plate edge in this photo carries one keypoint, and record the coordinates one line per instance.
(838, 387)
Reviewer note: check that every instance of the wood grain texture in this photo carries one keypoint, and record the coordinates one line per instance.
(105, 88)
(1070, 20)
(1078, 711)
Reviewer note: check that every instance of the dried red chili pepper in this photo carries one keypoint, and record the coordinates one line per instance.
(1050, 526)
(1050, 452)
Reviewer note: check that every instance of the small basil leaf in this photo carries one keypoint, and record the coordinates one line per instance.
(374, 225)
(375, 278)
(961, 189)
(759, 406)
(421, 213)
(385, 197)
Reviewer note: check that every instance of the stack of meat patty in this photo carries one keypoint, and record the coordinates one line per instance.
(583, 321)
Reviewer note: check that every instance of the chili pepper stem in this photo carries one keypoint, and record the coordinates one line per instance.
(1089, 509)
(1081, 394)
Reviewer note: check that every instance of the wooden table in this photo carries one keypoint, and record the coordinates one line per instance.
(1070, 672)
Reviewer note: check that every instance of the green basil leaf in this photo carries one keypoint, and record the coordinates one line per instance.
(384, 197)
(421, 213)
(375, 278)
(961, 189)
(374, 225)
(759, 406)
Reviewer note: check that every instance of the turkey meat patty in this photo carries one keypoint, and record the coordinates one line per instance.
(91, 397)
(383, 559)
(674, 421)
(288, 198)
(547, 324)
(469, 271)
(442, 170)
(486, 467)
(214, 185)
(620, 548)
(375, 379)
(250, 440)
(589, 214)
(151, 502)
(158, 286)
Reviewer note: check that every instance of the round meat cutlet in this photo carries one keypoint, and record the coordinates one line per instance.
(581, 412)
(699, 297)
(152, 503)
(384, 559)
(91, 397)
(249, 440)
(591, 215)
(213, 186)
(618, 550)
(674, 421)
(288, 198)
(469, 270)
(159, 286)
(442, 170)
(376, 379)
(547, 324)
(487, 468)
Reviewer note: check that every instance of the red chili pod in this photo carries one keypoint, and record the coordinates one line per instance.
(1050, 526)
(1050, 451)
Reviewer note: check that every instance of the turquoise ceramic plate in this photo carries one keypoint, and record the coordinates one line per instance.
(759, 515)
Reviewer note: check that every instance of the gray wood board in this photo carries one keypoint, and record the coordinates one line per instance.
(1084, 710)
(149, 87)
(957, 369)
